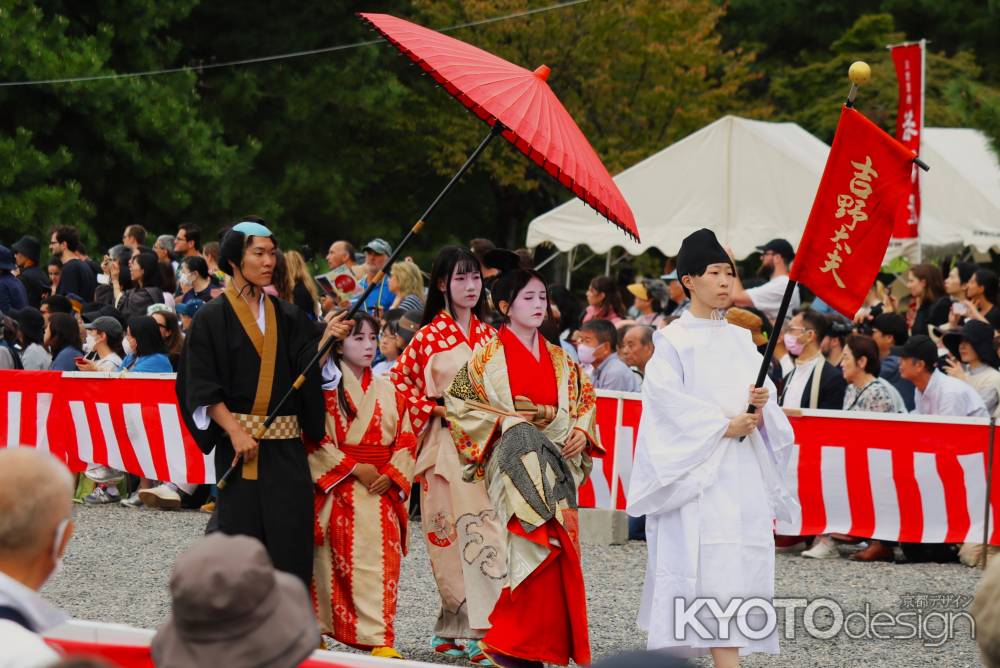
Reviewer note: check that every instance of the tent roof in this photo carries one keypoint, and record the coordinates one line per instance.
(961, 193)
(749, 181)
(752, 181)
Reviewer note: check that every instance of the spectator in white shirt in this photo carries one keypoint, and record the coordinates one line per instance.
(36, 493)
(775, 259)
(937, 393)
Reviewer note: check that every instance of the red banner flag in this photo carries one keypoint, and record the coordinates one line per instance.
(909, 61)
(865, 182)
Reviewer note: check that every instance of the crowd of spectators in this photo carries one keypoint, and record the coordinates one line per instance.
(924, 342)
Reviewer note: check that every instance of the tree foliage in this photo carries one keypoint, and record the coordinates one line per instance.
(354, 143)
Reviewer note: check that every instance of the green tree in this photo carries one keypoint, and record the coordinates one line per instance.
(810, 94)
(103, 154)
(636, 76)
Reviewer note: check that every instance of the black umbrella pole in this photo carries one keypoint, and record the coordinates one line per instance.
(360, 302)
(772, 341)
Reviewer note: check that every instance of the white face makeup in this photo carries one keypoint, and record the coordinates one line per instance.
(465, 288)
(529, 306)
(359, 348)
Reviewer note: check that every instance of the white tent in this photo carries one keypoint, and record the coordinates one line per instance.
(749, 181)
(961, 192)
(752, 181)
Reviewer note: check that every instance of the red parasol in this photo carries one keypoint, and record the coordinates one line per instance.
(517, 104)
(533, 118)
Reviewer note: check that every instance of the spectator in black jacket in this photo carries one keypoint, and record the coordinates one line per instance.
(27, 251)
(76, 277)
(802, 339)
(13, 296)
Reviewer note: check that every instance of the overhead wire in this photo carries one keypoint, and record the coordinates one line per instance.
(280, 56)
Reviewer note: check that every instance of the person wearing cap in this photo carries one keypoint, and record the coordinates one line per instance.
(775, 259)
(936, 393)
(649, 298)
(230, 607)
(889, 333)
(103, 346)
(12, 292)
(187, 310)
(678, 299)
(27, 251)
(31, 339)
(240, 357)
(708, 475)
(377, 252)
(36, 525)
(974, 361)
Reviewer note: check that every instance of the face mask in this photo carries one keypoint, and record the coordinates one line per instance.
(127, 345)
(185, 278)
(792, 344)
(89, 344)
(586, 353)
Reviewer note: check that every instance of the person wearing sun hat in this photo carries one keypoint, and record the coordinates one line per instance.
(230, 607)
(974, 360)
(650, 297)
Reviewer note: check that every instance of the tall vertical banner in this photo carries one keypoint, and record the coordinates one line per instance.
(863, 189)
(909, 59)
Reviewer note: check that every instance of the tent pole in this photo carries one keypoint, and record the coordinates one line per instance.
(607, 262)
(569, 266)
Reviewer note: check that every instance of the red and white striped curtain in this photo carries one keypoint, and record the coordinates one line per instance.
(906, 478)
(894, 477)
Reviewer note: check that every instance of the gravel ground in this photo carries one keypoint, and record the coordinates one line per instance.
(119, 563)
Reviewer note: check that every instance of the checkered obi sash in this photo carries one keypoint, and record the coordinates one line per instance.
(284, 426)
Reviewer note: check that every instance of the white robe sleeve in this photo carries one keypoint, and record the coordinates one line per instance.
(678, 448)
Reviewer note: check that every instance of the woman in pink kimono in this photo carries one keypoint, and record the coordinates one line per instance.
(465, 541)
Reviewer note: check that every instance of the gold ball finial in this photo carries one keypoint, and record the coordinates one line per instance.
(860, 72)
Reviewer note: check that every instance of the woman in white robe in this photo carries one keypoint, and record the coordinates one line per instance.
(709, 497)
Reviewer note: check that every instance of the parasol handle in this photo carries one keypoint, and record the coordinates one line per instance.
(495, 131)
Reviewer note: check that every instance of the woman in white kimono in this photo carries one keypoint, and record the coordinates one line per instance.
(709, 495)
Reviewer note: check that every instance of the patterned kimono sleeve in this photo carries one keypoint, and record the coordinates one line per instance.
(408, 378)
(328, 464)
(404, 451)
(583, 407)
(473, 430)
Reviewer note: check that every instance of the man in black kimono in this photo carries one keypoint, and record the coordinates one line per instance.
(243, 352)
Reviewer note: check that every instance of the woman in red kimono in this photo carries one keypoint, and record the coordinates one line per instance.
(523, 418)
(362, 470)
(465, 541)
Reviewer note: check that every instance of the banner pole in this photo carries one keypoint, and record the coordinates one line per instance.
(989, 491)
(772, 341)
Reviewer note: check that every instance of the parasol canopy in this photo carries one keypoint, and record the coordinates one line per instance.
(533, 118)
